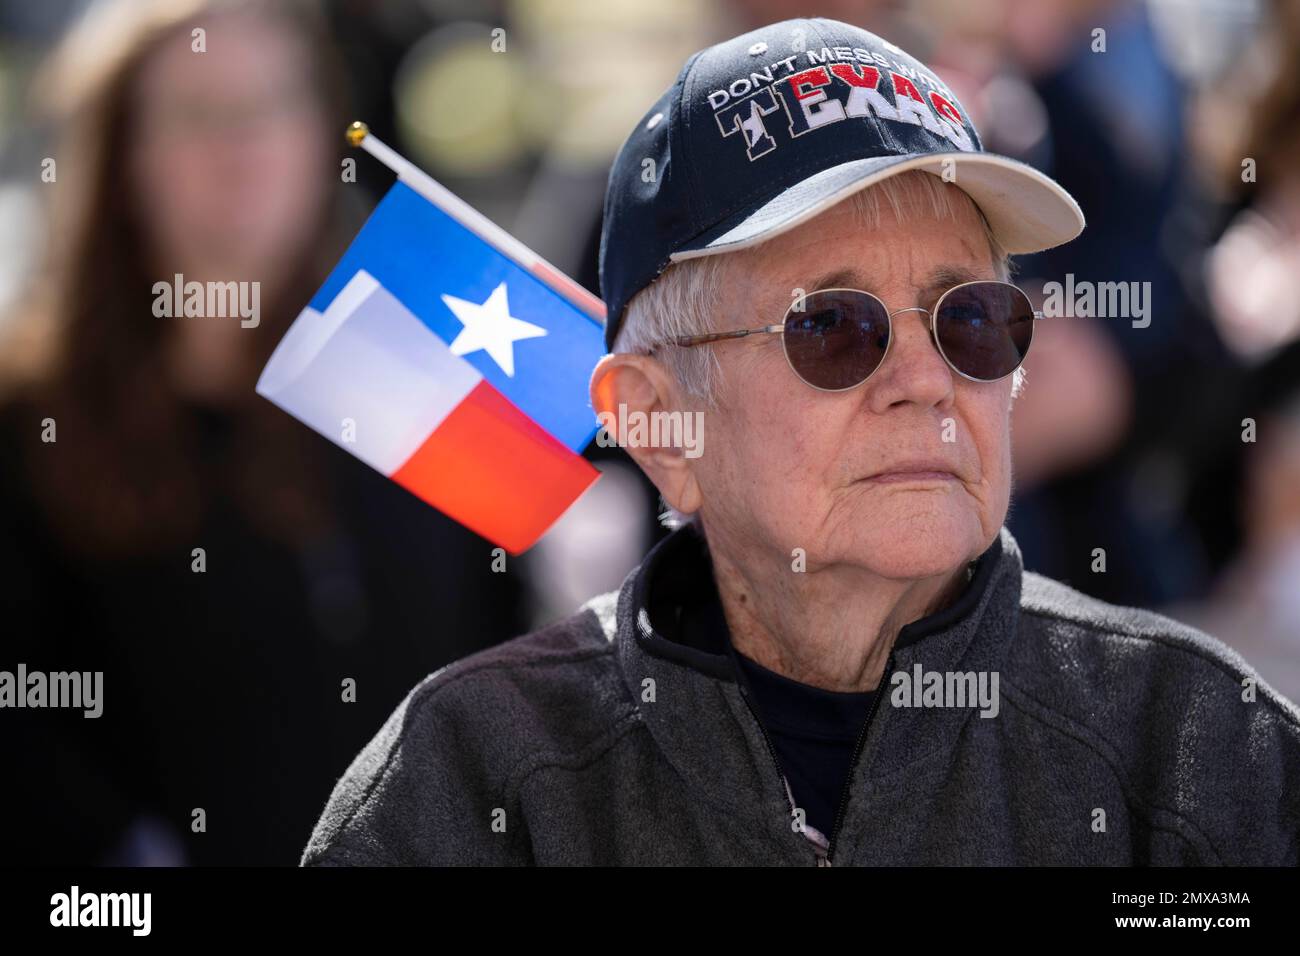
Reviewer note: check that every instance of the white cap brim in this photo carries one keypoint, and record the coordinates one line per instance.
(1026, 210)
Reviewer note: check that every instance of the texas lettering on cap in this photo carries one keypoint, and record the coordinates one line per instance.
(766, 130)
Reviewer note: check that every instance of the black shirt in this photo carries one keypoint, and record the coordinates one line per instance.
(814, 732)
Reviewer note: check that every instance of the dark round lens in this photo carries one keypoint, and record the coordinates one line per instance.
(835, 338)
(984, 329)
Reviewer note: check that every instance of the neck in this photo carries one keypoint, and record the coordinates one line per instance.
(832, 627)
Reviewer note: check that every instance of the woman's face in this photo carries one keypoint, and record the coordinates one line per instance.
(231, 155)
(907, 475)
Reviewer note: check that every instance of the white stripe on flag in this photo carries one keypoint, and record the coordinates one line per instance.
(369, 359)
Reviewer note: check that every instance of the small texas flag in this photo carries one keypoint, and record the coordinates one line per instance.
(446, 355)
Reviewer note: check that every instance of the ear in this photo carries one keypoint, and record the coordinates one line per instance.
(627, 388)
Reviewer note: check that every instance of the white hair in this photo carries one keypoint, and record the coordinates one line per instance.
(687, 296)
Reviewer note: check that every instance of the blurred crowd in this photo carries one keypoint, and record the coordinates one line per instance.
(1157, 465)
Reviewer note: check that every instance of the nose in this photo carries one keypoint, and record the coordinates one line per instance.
(913, 371)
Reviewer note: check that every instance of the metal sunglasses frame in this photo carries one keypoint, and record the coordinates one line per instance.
(690, 341)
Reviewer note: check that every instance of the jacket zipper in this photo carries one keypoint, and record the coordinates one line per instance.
(857, 753)
(780, 774)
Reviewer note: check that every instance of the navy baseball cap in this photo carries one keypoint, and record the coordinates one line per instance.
(766, 130)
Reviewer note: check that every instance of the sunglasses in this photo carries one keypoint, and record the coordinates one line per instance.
(835, 339)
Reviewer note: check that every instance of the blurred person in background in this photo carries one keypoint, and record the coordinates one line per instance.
(129, 441)
(1256, 603)
(1250, 134)
(1248, 138)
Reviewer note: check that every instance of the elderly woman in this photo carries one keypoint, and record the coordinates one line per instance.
(838, 657)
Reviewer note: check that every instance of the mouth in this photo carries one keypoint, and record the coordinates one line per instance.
(913, 472)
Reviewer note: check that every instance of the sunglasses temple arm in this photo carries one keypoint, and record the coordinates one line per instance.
(689, 340)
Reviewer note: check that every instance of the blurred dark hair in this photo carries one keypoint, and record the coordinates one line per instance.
(127, 477)
(1259, 115)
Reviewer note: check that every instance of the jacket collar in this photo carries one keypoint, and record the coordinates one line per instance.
(689, 700)
(676, 578)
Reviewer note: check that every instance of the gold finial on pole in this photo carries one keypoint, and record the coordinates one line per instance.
(357, 132)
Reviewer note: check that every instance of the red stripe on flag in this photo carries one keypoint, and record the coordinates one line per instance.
(496, 471)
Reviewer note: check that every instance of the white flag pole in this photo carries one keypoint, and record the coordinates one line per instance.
(359, 134)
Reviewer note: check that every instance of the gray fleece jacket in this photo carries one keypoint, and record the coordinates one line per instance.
(1120, 737)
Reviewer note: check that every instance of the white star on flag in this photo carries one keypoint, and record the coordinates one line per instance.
(490, 326)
